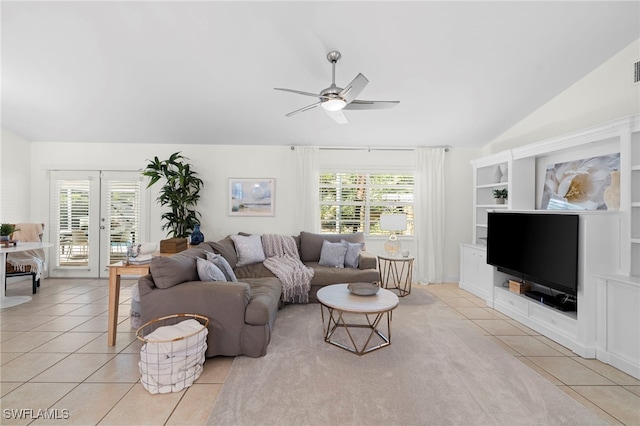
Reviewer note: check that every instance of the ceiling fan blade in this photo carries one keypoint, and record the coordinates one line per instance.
(303, 109)
(299, 92)
(353, 89)
(338, 116)
(358, 104)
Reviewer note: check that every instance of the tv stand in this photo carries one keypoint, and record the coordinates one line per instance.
(558, 302)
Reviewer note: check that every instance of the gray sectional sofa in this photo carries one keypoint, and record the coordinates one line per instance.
(241, 314)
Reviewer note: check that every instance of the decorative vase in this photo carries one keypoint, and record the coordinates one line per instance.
(612, 192)
(505, 173)
(497, 174)
(196, 236)
(4, 237)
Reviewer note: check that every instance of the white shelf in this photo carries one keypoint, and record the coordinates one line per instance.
(492, 206)
(493, 185)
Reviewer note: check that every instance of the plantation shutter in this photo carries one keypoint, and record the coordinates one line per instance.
(353, 202)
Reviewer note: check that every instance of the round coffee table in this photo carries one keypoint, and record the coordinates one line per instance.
(338, 301)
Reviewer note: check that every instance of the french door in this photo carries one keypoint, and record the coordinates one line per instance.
(94, 216)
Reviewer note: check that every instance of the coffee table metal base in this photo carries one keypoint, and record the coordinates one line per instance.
(336, 319)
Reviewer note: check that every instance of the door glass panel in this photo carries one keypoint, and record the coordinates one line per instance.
(73, 219)
(123, 205)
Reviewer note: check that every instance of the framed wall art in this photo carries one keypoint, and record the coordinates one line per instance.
(586, 184)
(251, 197)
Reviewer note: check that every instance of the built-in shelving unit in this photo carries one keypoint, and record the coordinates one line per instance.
(498, 172)
(606, 323)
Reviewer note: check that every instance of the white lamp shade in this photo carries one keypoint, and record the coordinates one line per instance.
(393, 222)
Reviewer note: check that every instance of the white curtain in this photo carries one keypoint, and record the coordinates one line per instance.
(430, 214)
(307, 187)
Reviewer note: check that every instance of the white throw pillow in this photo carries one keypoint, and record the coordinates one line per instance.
(352, 256)
(223, 265)
(332, 254)
(207, 271)
(249, 249)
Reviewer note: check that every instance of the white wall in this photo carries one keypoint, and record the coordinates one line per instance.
(15, 180)
(605, 94)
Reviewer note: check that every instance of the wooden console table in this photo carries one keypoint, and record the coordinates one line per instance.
(115, 271)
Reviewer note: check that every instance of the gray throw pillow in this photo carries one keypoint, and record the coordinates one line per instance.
(227, 249)
(207, 271)
(223, 265)
(249, 249)
(353, 254)
(168, 271)
(332, 254)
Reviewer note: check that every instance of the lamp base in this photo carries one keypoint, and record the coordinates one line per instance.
(392, 246)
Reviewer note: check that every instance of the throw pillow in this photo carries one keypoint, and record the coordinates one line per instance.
(353, 253)
(207, 271)
(168, 271)
(223, 265)
(332, 254)
(249, 249)
(227, 249)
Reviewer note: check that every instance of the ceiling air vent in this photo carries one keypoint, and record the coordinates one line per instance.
(636, 72)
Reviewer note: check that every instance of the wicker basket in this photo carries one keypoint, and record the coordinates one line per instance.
(173, 352)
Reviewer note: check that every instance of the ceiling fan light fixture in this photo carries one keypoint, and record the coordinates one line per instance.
(333, 104)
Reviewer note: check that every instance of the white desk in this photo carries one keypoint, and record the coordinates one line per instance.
(7, 302)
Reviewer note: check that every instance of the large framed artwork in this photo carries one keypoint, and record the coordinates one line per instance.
(587, 184)
(252, 197)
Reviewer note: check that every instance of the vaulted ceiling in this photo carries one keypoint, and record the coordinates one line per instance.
(204, 72)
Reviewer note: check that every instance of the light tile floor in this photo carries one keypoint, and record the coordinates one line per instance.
(54, 357)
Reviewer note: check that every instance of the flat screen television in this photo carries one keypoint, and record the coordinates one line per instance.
(537, 247)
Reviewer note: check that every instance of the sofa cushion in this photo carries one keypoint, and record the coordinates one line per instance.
(326, 275)
(208, 271)
(332, 254)
(223, 265)
(256, 270)
(249, 249)
(264, 302)
(311, 244)
(168, 271)
(352, 255)
(227, 249)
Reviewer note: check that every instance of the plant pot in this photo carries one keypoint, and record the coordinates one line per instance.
(4, 237)
(500, 200)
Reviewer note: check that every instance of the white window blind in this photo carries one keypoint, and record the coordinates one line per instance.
(72, 205)
(123, 204)
(352, 202)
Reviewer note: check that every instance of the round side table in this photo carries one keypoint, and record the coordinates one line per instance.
(396, 273)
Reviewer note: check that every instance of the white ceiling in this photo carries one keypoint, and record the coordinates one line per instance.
(204, 72)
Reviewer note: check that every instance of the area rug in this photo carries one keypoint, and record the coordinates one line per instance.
(438, 370)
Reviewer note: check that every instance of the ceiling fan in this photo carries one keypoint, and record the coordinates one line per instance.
(334, 99)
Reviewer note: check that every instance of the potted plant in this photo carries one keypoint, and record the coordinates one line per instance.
(180, 192)
(6, 229)
(500, 195)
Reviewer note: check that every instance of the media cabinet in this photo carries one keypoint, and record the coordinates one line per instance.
(606, 324)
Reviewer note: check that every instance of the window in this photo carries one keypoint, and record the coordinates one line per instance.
(353, 202)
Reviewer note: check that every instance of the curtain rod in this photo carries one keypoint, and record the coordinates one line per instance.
(369, 149)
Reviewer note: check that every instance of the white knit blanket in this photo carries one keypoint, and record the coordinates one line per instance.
(283, 260)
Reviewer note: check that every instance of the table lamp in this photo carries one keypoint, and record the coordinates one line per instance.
(393, 222)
